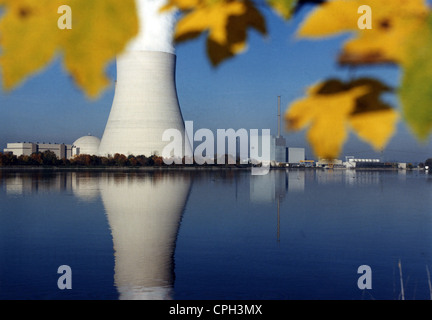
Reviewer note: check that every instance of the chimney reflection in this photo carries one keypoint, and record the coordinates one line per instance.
(144, 214)
(273, 188)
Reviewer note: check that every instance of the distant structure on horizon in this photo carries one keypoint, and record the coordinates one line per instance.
(279, 152)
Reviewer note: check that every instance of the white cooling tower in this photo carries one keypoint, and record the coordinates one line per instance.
(145, 101)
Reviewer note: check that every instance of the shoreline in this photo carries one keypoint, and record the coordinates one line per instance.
(185, 168)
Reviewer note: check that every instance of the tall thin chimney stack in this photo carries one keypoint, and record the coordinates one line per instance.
(279, 117)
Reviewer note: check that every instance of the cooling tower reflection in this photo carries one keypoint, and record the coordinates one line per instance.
(85, 186)
(144, 214)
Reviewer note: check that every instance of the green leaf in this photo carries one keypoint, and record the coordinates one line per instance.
(415, 92)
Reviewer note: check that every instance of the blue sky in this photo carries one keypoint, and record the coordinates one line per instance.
(240, 93)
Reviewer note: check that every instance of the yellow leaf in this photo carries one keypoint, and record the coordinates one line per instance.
(387, 40)
(226, 22)
(326, 114)
(27, 41)
(394, 22)
(182, 5)
(333, 107)
(30, 38)
(375, 127)
(330, 18)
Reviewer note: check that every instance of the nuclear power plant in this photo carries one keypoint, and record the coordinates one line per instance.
(145, 108)
(145, 100)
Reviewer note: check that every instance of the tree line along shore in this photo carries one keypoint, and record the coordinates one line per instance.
(49, 159)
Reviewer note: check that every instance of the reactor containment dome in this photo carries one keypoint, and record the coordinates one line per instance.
(86, 145)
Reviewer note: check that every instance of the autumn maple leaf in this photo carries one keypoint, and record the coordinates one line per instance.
(394, 23)
(401, 34)
(225, 21)
(333, 108)
(30, 39)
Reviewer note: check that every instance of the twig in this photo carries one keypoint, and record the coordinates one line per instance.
(429, 281)
(401, 280)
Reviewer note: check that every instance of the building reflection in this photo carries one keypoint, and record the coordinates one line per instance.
(276, 184)
(21, 183)
(349, 177)
(144, 215)
(262, 188)
(144, 210)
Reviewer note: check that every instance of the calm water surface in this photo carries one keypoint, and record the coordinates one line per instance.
(215, 234)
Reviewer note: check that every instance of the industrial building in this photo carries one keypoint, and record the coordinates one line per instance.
(295, 155)
(329, 163)
(27, 148)
(279, 152)
(21, 148)
(352, 163)
(84, 145)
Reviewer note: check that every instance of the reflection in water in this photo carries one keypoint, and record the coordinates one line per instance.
(296, 180)
(351, 177)
(144, 215)
(85, 186)
(318, 212)
(21, 183)
(274, 185)
(143, 212)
